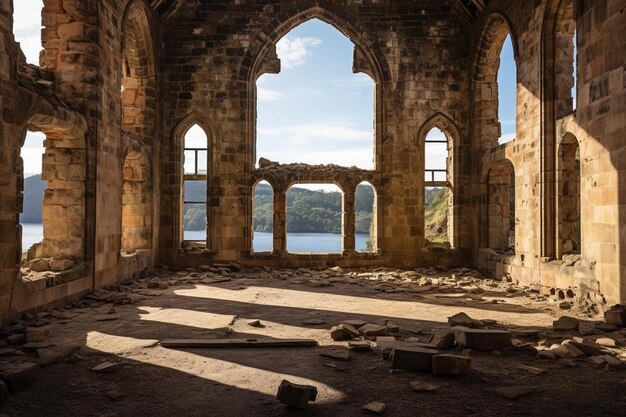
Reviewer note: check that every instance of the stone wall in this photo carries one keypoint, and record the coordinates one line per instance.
(119, 86)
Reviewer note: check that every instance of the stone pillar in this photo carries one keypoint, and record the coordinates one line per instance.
(280, 221)
(349, 221)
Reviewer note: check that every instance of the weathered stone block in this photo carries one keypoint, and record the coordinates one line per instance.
(413, 359)
(451, 364)
(19, 376)
(482, 339)
(294, 395)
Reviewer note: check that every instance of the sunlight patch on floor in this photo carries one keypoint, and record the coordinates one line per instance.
(409, 310)
(220, 371)
(186, 317)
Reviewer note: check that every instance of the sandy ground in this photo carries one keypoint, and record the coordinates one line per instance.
(151, 380)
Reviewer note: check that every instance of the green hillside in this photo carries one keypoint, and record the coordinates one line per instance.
(436, 213)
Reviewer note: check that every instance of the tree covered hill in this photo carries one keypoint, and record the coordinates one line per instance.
(311, 211)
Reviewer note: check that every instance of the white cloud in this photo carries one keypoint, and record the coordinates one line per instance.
(265, 94)
(318, 131)
(27, 27)
(294, 52)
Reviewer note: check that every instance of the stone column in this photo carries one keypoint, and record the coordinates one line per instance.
(280, 221)
(349, 220)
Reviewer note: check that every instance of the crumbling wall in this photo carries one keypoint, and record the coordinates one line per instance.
(214, 56)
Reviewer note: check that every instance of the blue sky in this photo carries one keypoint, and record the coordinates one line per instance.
(315, 111)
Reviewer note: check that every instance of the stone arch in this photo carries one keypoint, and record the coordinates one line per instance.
(485, 79)
(501, 220)
(261, 58)
(139, 83)
(556, 102)
(568, 196)
(64, 168)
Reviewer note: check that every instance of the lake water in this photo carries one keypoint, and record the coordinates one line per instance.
(296, 242)
(263, 241)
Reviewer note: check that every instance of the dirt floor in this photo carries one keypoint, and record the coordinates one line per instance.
(124, 325)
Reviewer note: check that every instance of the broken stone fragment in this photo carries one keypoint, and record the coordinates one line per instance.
(606, 342)
(34, 334)
(566, 323)
(360, 345)
(451, 365)
(266, 163)
(343, 332)
(413, 359)
(19, 376)
(354, 323)
(442, 339)
(39, 265)
(340, 354)
(482, 339)
(61, 264)
(615, 315)
(370, 330)
(376, 407)
(105, 368)
(313, 322)
(294, 395)
(256, 323)
(462, 319)
(419, 386)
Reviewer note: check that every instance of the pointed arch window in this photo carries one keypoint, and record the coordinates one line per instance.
(195, 178)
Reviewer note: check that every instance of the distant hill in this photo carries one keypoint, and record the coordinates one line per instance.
(436, 213)
(34, 187)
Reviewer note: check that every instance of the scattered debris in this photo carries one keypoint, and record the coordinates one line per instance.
(256, 323)
(19, 376)
(340, 354)
(482, 339)
(531, 369)
(566, 323)
(462, 319)
(294, 395)
(105, 368)
(371, 331)
(343, 332)
(313, 322)
(360, 345)
(419, 386)
(413, 359)
(451, 365)
(376, 407)
(236, 343)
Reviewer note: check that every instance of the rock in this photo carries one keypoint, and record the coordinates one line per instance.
(256, 323)
(531, 369)
(359, 345)
(442, 339)
(565, 323)
(49, 356)
(513, 393)
(462, 319)
(412, 359)
(340, 354)
(61, 264)
(19, 376)
(451, 365)
(158, 284)
(607, 342)
(392, 327)
(376, 407)
(419, 386)
(16, 339)
(343, 332)
(39, 265)
(294, 395)
(612, 361)
(615, 315)
(482, 339)
(597, 360)
(370, 330)
(105, 368)
(35, 335)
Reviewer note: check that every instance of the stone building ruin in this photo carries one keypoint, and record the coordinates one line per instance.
(120, 83)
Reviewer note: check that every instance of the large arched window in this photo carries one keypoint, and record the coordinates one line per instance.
(507, 92)
(263, 218)
(195, 177)
(316, 110)
(365, 205)
(438, 192)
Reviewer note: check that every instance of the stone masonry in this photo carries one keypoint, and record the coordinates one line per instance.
(121, 82)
